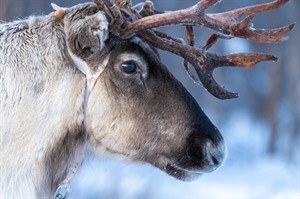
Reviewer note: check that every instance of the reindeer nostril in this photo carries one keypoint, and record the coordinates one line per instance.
(206, 152)
(215, 160)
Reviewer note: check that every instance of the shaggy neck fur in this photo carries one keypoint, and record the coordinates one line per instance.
(41, 116)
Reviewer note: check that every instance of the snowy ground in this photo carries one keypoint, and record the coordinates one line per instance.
(246, 174)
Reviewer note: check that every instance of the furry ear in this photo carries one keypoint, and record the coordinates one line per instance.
(56, 7)
(87, 36)
(86, 41)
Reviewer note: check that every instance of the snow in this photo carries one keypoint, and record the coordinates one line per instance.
(248, 173)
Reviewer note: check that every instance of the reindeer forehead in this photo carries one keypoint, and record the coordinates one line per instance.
(135, 49)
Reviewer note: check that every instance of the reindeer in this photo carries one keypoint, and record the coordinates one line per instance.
(88, 79)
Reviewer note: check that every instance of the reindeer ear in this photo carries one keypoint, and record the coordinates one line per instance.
(86, 40)
(87, 36)
(56, 7)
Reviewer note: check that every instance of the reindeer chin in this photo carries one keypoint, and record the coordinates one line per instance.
(182, 174)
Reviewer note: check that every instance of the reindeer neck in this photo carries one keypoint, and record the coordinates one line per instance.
(41, 114)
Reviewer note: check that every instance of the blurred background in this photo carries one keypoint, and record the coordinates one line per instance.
(261, 128)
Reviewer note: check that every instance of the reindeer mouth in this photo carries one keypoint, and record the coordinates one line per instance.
(191, 170)
(195, 162)
(182, 173)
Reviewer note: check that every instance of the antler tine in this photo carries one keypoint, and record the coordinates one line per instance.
(246, 11)
(108, 3)
(226, 23)
(205, 63)
(242, 29)
(124, 3)
(146, 9)
(115, 11)
(170, 18)
(214, 61)
(101, 4)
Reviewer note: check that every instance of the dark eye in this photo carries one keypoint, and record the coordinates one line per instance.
(128, 67)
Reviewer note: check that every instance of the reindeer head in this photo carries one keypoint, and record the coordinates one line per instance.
(137, 109)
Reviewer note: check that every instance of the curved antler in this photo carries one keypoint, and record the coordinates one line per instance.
(129, 23)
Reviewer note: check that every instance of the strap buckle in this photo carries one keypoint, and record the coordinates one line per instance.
(62, 191)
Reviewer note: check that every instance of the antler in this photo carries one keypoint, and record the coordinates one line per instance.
(130, 23)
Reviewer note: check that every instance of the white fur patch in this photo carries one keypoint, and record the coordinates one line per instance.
(103, 29)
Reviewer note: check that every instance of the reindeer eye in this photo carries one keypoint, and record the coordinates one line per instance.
(128, 67)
